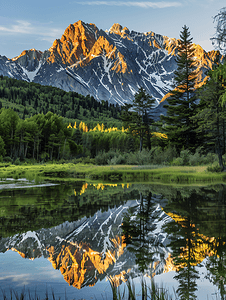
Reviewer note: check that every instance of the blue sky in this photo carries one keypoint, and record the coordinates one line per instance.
(30, 24)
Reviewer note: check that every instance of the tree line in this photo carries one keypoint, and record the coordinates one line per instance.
(39, 137)
(195, 118)
(28, 99)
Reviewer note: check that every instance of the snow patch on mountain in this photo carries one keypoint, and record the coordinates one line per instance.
(109, 65)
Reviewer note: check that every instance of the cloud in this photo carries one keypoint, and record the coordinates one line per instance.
(25, 27)
(19, 279)
(19, 27)
(144, 4)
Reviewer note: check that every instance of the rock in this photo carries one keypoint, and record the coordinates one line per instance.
(109, 65)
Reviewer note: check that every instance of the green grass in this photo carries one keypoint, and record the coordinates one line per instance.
(114, 173)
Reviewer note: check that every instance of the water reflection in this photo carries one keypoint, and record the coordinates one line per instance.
(90, 231)
(139, 230)
(195, 232)
(185, 243)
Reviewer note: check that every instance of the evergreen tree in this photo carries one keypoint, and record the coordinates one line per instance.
(136, 116)
(219, 39)
(211, 115)
(181, 103)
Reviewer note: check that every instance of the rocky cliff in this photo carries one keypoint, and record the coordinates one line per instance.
(90, 249)
(109, 65)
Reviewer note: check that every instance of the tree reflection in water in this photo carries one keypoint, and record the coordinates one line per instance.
(197, 230)
(137, 229)
(195, 234)
(185, 241)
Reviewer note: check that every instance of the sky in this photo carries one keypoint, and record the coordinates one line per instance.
(27, 24)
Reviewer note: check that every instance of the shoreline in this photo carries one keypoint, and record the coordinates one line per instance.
(113, 173)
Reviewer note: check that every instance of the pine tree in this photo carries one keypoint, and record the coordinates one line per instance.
(181, 103)
(219, 39)
(211, 113)
(136, 116)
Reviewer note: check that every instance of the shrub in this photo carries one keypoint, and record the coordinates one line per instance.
(185, 154)
(117, 160)
(139, 158)
(131, 158)
(102, 158)
(157, 155)
(17, 162)
(169, 154)
(198, 158)
(214, 168)
(8, 159)
(211, 158)
(177, 162)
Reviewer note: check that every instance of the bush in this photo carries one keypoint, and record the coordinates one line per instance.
(185, 154)
(198, 158)
(117, 160)
(17, 162)
(169, 154)
(177, 162)
(102, 158)
(214, 168)
(157, 155)
(8, 159)
(131, 158)
(183, 159)
(211, 158)
(139, 158)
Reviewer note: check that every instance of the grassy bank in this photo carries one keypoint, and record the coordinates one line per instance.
(123, 173)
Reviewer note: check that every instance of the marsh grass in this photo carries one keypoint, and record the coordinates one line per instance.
(152, 291)
(26, 295)
(129, 292)
(114, 173)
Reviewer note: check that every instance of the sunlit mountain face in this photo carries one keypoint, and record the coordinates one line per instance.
(109, 65)
(153, 231)
(86, 250)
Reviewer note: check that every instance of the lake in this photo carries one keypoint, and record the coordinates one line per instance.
(72, 239)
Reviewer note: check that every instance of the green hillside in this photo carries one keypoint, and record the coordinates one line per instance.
(28, 99)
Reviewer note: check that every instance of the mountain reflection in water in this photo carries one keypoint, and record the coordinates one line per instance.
(90, 232)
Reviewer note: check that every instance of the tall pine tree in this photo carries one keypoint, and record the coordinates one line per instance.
(136, 116)
(181, 104)
(211, 112)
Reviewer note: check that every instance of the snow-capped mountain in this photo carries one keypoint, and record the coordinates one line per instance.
(87, 250)
(109, 65)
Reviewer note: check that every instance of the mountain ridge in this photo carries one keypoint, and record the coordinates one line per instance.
(108, 65)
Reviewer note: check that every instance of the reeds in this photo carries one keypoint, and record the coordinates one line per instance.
(152, 291)
(26, 295)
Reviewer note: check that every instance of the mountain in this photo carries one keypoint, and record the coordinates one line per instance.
(108, 65)
(87, 250)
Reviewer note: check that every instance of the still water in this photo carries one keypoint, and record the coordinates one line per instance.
(73, 239)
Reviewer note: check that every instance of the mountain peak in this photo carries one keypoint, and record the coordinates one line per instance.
(75, 44)
(29, 59)
(118, 29)
(32, 54)
(109, 65)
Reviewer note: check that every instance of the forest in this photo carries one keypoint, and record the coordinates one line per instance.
(28, 99)
(42, 123)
